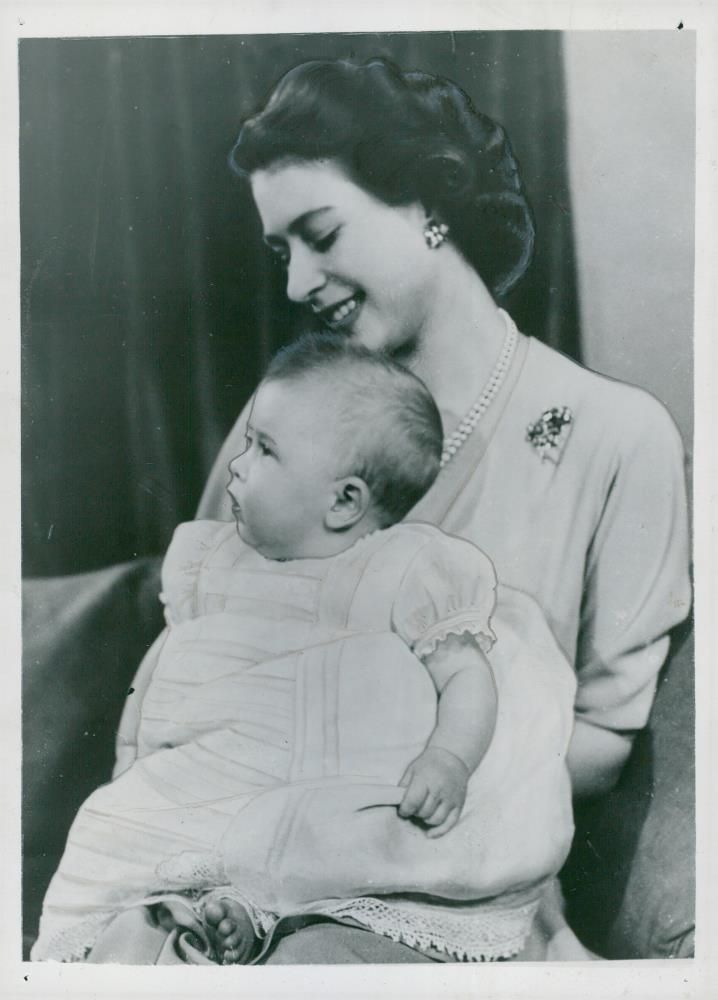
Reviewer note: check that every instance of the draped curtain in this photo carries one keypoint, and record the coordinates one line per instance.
(149, 306)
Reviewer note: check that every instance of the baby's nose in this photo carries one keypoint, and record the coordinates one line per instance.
(236, 466)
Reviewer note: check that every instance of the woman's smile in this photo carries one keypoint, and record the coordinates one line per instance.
(360, 265)
(342, 314)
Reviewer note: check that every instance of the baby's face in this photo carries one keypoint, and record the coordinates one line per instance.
(283, 484)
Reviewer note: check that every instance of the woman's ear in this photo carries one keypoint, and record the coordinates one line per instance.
(352, 500)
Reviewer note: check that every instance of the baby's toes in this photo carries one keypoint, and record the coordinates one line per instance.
(240, 953)
(226, 928)
(215, 912)
(239, 942)
(229, 941)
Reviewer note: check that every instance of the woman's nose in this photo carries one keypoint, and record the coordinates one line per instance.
(304, 275)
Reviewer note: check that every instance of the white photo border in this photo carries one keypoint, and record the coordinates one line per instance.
(666, 979)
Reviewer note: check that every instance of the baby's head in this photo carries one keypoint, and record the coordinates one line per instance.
(340, 441)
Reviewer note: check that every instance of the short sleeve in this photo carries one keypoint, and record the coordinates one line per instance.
(449, 588)
(191, 544)
(637, 584)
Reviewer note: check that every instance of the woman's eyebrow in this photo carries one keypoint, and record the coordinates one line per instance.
(298, 224)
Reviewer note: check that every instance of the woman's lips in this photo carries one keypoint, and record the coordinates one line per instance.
(342, 314)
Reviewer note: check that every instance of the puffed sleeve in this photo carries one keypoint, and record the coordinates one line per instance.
(637, 583)
(449, 588)
(190, 545)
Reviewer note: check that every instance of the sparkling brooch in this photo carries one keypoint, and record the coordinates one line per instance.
(550, 432)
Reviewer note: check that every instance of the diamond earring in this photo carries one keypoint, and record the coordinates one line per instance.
(435, 234)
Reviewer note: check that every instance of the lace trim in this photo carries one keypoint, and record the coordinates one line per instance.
(199, 869)
(486, 934)
(73, 944)
(459, 624)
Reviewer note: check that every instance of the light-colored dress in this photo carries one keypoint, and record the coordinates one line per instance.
(596, 530)
(269, 727)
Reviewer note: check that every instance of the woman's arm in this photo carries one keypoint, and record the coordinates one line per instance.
(596, 758)
(637, 588)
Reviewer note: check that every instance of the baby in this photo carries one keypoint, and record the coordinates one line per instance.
(303, 735)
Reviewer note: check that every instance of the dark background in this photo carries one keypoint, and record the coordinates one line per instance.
(149, 305)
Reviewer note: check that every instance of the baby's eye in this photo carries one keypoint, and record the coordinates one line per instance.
(265, 449)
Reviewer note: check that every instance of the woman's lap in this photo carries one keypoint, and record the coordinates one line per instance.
(336, 944)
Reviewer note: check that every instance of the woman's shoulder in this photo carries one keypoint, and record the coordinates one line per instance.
(604, 407)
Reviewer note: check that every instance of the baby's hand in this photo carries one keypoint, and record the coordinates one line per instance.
(435, 789)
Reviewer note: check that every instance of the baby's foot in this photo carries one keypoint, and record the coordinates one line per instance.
(231, 931)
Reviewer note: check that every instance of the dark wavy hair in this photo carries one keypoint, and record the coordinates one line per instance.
(389, 426)
(403, 137)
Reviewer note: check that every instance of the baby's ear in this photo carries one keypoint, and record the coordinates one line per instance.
(352, 499)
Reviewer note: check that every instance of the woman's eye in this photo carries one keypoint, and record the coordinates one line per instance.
(323, 243)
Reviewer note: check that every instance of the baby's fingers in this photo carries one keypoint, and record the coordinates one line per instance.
(436, 810)
(407, 776)
(414, 798)
(448, 824)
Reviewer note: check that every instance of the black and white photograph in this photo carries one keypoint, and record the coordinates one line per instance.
(359, 517)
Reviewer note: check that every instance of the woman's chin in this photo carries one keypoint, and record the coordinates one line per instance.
(360, 329)
(363, 335)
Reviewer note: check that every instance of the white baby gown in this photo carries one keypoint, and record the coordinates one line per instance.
(269, 726)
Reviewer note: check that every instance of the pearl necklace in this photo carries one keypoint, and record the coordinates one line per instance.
(454, 441)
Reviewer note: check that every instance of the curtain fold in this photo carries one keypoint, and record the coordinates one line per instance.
(149, 304)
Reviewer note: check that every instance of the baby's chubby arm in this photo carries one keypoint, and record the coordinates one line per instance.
(466, 716)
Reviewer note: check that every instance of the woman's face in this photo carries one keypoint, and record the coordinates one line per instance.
(362, 266)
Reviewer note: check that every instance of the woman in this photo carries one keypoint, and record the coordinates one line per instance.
(399, 214)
